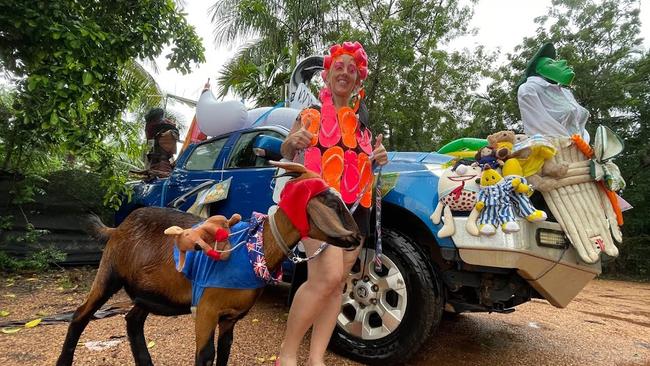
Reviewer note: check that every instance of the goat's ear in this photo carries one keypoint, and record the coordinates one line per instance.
(181, 261)
(326, 219)
(173, 230)
(234, 219)
(289, 166)
(287, 174)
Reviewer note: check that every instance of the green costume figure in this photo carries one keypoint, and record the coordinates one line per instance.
(547, 106)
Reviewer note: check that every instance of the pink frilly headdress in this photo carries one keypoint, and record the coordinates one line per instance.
(330, 133)
(348, 48)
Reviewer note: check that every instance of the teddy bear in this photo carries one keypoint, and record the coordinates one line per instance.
(457, 190)
(494, 204)
(513, 171)
(535, 155)
(502, 142)
(214, 231)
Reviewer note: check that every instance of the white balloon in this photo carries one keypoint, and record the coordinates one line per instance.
(217, 118)
(280, 116)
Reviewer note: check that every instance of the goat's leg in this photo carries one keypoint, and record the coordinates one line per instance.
(104, 286)
(205, 324)
(226, 328)
(135, 329)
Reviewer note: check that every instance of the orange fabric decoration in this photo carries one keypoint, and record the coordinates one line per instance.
(584, 147)
(357, 102)
(614, 201)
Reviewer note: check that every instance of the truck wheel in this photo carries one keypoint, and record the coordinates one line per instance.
(386, 316)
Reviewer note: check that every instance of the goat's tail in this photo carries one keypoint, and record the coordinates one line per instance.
(96, 228)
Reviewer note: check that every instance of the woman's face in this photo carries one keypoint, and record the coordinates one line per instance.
(343, 76)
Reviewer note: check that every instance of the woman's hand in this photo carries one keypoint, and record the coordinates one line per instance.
(300, 139)
(379, 154)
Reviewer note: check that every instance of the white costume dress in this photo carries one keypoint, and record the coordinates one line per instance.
(550, 109)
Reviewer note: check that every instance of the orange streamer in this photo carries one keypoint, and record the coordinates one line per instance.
(584, 147)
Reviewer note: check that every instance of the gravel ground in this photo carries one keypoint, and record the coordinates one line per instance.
(607, 324)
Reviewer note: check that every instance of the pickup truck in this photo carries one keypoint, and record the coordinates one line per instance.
(387, 314)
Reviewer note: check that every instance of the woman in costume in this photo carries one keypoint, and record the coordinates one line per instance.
(336, 144)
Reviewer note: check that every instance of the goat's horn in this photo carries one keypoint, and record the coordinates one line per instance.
(287, 174)
(234, 219)
(173, 230)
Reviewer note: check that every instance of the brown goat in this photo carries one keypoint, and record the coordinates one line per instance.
(139, 258)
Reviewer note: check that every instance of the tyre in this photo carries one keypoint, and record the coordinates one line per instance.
(386, 316)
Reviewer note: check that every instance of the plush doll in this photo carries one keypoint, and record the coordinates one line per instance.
(207, 236)
(494, 203)
(502, 142)
(521, 191)
(457, 190)
(487, 156)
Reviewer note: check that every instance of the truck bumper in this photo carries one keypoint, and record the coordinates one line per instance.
(555, 271)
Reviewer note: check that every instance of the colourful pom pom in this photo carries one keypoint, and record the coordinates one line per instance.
(327, 62)
(213, 254)
(363, 73)
(354, 49)
(221, 235)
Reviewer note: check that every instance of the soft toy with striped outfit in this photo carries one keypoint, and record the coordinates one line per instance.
(494, 203)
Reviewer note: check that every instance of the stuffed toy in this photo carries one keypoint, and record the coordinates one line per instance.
(457, 190)
(494, 203)
(207, 236)
(535, 155)
(487, 156)
(502, 142)
(520, 193)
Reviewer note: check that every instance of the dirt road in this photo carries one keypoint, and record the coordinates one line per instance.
(607, 324)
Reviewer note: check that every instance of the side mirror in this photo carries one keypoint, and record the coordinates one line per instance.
(267, 147)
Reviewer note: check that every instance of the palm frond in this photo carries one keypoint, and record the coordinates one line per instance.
(143, 86)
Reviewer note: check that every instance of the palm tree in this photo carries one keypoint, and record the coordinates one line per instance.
(148, 92)
(255, 78)
(279, 31)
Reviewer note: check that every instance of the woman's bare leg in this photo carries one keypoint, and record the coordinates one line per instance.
(323, 279)
(325, 323)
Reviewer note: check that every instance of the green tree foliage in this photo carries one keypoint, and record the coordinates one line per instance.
(72, 63)
(287, 27)
(418, 93)
(281, 32)
(262, 79)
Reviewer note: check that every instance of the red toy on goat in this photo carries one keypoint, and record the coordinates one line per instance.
(209, 235)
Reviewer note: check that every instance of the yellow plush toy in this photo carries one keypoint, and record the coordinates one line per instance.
(512, 172)
(494, 203)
